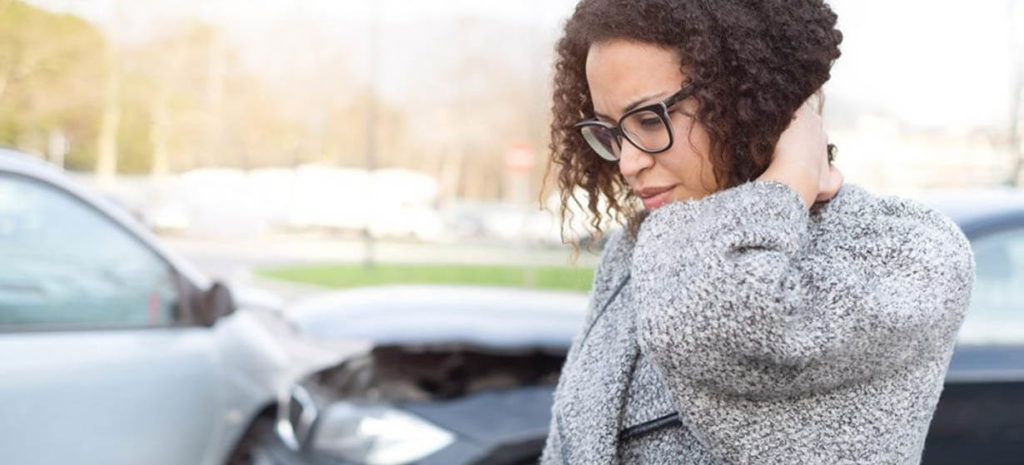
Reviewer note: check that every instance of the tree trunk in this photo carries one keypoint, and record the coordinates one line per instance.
(106, 161)
(1017, 92)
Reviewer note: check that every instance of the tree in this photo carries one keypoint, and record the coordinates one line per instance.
(1016, 17)
(50, 80)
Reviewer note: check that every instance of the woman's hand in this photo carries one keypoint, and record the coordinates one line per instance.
(801, 159)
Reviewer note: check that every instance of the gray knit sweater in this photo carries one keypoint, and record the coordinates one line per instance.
(765, 333)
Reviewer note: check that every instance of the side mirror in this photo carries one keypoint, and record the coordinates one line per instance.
(214, 303)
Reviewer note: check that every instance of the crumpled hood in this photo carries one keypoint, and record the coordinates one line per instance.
(413, 314)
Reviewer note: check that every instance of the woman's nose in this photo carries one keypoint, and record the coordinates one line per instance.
(633, 160)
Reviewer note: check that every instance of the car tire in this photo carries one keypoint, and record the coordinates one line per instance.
(256, 446)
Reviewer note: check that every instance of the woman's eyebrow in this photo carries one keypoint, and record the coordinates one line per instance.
(631, 106)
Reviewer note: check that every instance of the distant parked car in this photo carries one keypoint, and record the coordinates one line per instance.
(456, 375)
(116, 351)
(980, 417)
(460, 376)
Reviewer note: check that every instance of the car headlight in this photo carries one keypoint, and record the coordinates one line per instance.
(376, 435)
(297, 412)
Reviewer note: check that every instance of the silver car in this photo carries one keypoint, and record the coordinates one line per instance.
(115, 351)
(457, 375)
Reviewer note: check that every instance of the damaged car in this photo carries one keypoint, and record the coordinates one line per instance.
(117, 351)
(455, 375)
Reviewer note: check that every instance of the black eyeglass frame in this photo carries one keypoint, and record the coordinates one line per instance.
(659, 108)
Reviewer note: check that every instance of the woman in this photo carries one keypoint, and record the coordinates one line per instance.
(756, 309)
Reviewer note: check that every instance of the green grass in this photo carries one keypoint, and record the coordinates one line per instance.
(342, 276)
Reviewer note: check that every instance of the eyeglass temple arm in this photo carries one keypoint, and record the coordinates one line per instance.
(679, 96)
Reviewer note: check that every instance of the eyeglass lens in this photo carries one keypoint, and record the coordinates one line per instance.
(647, 130)
(602, 140)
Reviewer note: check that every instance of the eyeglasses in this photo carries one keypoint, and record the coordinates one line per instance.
(648, 128)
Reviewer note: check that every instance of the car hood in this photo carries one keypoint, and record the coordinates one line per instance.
(484, 316)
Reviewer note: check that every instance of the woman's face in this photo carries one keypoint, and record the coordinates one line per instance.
(623, 75)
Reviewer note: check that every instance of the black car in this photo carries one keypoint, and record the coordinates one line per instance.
(980, 417)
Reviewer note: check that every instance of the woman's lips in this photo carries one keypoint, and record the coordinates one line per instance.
(657, 198)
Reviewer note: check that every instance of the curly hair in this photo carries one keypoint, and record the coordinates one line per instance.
(753, 62)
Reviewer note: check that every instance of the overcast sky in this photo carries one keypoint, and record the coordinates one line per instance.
(939, 63)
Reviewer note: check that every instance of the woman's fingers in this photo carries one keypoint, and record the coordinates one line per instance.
(832, 180)
(813, 102)
(801, 157)
(802, 140)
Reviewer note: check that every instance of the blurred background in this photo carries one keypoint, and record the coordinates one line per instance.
(316, 231)
(259, 134)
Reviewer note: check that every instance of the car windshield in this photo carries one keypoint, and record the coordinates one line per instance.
(996, 316)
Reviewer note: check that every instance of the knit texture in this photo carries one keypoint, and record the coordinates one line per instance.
(779, 335)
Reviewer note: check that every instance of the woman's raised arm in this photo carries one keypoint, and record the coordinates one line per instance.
(733, 291)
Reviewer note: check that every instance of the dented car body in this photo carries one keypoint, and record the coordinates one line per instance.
(456, 375)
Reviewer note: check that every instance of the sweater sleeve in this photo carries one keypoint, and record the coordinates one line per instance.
(736, 295)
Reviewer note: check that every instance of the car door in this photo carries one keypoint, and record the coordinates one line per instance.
(980, 416)
(98, 361)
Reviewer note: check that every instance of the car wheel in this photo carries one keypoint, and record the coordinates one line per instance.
(255, 448)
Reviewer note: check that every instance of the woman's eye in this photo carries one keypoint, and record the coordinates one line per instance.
(650, 123)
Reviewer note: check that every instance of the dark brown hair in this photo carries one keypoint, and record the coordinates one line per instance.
(754, 62)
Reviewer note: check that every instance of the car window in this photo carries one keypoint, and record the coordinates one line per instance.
(65, 264)
(996, 315)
